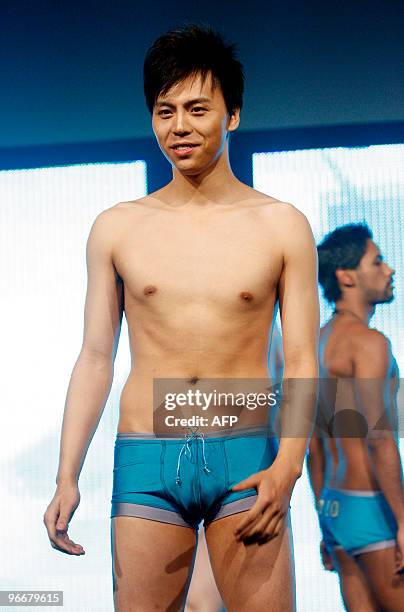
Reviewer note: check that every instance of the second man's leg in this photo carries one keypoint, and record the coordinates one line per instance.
(387, 587)
(354, 588)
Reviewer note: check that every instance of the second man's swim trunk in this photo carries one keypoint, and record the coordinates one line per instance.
(356, 521)
(184, 480)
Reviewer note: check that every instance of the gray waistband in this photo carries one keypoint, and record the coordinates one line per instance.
(223, 433)
(355, 492)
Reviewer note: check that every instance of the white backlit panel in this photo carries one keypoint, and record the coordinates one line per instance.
(333, 187)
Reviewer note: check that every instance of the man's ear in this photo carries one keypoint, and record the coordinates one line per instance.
(234, 120)
(346, 278)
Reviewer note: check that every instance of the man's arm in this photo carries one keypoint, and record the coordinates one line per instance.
(298, 300)
(91, 379)
(373, 362)
(316, 460)
(299, 310)
(316, 466)
(275, 361)
(92, 375)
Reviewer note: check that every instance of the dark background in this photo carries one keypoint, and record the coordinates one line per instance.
(72, 72)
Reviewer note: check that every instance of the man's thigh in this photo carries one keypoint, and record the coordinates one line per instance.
(252, 577)
(388, 588)
(355, 590)
(151, 564)
(203, 595)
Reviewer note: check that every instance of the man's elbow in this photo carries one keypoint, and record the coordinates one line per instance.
(301, 366)
(98, 358)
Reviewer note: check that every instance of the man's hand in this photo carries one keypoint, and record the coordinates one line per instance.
(326, 558)
(399, 569)
(58, 515)
(265, 519)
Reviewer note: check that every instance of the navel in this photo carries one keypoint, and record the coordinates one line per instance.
(193, 380)
(246, 296)
(149, 290)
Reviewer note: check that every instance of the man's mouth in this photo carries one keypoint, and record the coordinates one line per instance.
(184, 146)
(183, 149)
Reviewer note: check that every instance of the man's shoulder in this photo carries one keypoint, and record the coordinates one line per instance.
(370, 341)
(128, 205)
(373, 357)
(116, 213)
(107, 224)
(274, 209)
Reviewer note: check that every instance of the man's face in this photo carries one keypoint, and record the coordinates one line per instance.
(191, 123)
(374, 276)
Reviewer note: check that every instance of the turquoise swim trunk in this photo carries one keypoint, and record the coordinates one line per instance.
(182, 480)
(356, 521)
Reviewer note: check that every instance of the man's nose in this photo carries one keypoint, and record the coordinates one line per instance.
(180, 125)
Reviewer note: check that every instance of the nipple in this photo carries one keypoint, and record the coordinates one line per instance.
(149, 290)
(246, 296)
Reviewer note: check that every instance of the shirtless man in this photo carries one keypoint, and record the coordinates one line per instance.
(198, 267)
(357, 481)
(203, 594)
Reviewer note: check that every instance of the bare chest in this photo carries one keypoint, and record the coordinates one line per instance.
(227, 261)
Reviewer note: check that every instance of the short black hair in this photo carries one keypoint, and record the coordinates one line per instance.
(343, 248)
(189, 51)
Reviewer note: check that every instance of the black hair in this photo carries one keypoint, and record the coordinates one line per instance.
(189, 51)
(343, 249)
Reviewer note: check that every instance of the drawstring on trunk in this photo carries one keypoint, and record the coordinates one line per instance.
(186, 448)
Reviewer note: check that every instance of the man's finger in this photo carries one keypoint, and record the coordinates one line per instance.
(252, 516)
(252, 530)
(61, 541)
(67, 551)
(248, 483)
(61, 525)
(326, 557)
(61, 549)
(260, 526)
(63, 519)
(275, 525)
(61, 546)
(66, 540)
(273, 530)
(64, 544)
(399, 569)
(327, 562)
(265, 528)
(70, 543)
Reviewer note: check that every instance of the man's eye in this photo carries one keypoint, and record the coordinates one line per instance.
(164, 111)
(198, 109)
